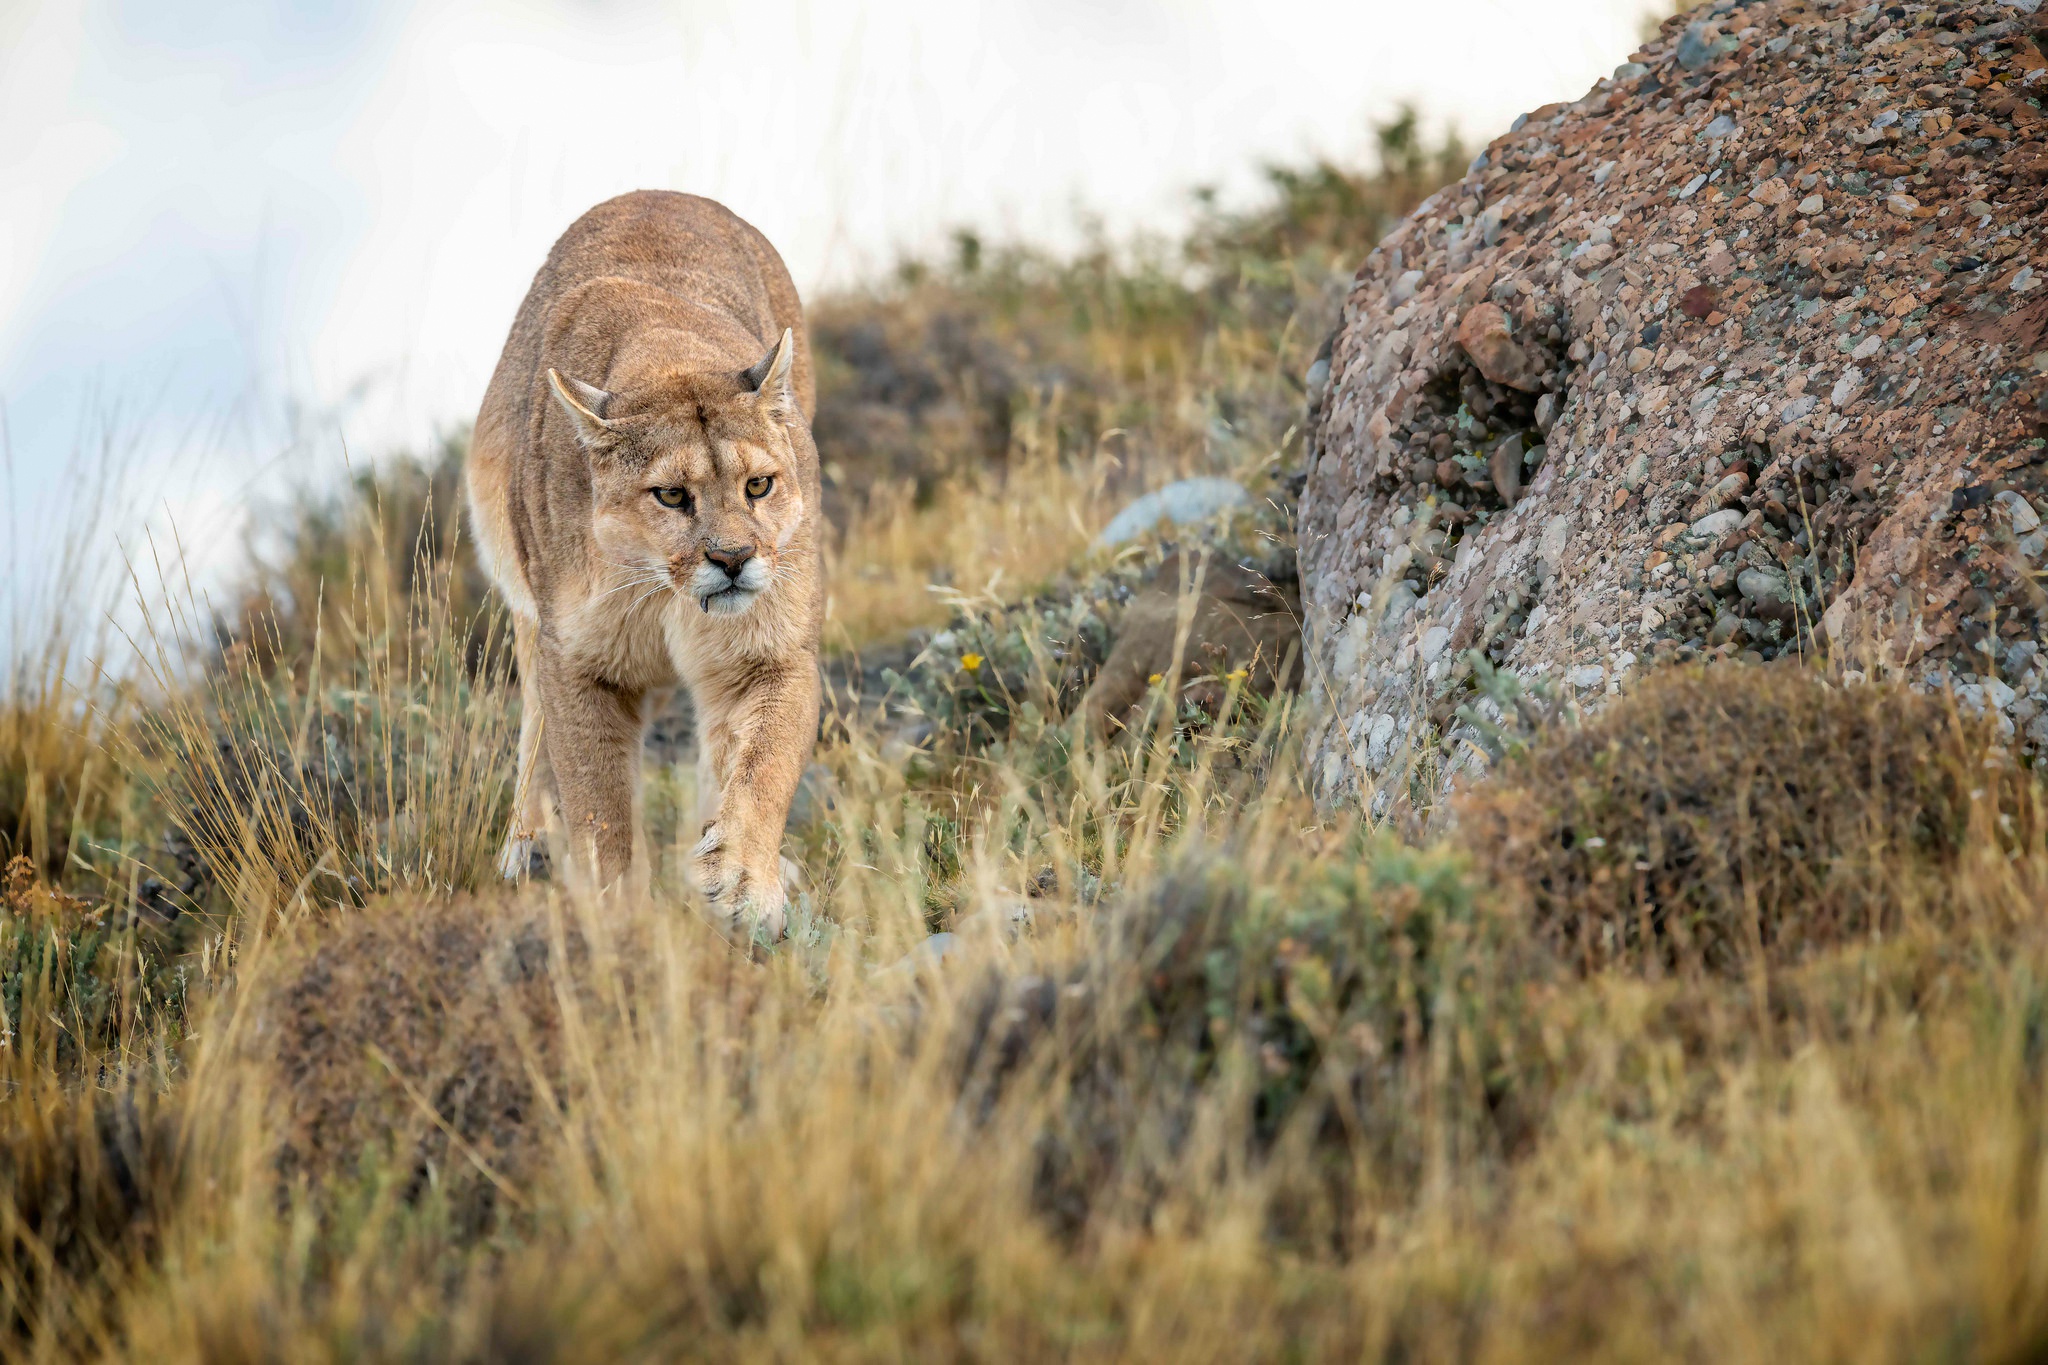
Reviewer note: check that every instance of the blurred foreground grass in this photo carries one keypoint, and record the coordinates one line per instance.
(1711, 1027)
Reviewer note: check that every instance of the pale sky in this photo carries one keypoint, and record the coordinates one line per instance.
(234, 237)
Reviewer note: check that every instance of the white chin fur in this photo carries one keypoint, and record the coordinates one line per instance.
(732, 602)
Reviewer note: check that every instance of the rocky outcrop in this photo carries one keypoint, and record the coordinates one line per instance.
(1744, 353)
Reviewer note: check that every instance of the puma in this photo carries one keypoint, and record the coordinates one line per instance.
(644, 492)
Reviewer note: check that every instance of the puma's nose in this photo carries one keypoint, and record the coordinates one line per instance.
(732, 559)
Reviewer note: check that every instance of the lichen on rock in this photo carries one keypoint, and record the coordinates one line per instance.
(1743, 354)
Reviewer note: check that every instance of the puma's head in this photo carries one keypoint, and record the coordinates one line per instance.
(695, 478)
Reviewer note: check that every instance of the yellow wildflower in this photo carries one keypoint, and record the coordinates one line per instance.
(970, 662)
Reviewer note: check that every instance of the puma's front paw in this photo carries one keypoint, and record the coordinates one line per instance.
(524, 855)
(739, 891)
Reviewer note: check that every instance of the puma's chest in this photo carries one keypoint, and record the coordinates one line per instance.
(622, 642)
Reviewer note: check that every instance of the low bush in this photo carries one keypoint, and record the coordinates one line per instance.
(1724, 815)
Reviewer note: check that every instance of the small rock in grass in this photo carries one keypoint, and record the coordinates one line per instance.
(1188, 500)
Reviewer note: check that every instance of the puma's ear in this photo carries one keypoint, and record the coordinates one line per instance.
(585, 404)
(768, 377)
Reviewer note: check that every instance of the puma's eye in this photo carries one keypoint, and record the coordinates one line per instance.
(758, 486)
(672, 497)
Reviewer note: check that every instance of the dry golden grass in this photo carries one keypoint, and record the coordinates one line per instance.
(1007, 530)
(1274, 1096)
(57, 712)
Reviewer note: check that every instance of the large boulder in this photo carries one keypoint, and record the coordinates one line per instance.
(1744, 353)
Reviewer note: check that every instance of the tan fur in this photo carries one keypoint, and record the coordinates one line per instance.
(661, 347)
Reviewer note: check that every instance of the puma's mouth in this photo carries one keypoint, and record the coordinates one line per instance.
(729, 601)
(721, 594)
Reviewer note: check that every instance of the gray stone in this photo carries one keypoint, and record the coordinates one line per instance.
(1557, 534)
(2024, 517)
(1318, 378)
(1701, 47)
(1628, 71)
(1399, 603)
(1846, 387)
(1006, 919)
(1723, 126)
(929, 953)
(1380, 741)
(1505, 465)
(1182, 503)
(1716, 524)
(1763, 585)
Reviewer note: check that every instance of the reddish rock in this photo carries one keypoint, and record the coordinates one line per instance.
(1486, 337)
(1783, 311)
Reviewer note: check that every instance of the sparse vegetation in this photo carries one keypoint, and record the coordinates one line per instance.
(1710, 1029)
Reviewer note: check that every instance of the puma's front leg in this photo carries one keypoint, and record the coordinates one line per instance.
(592, 735)
(755, 740)
(533, 790)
